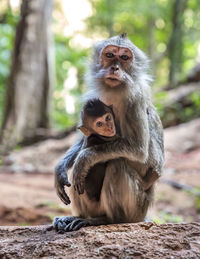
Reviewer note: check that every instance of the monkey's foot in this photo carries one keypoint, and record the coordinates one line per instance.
(67, 224)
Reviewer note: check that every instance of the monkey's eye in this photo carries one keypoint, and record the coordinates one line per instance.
(109, 55)
(124, 57)
(99, 124)
(108, 118)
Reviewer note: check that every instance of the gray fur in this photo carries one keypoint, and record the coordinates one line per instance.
(139, 146)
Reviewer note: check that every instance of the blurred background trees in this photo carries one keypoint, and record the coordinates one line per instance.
(26, 106)
(45, 46)
(168, 31)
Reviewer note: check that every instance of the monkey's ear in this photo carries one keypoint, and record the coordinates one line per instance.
(85, 130)
(123, 35)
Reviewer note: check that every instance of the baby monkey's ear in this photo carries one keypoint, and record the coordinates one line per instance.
(85, 130)
(111, 108)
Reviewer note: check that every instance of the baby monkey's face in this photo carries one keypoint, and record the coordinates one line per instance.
(104, 125)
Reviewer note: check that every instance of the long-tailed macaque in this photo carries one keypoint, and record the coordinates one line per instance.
(118, 77)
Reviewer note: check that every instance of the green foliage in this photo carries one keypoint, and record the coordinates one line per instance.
(160, 97)
(51, 205)
(17, 147)
(197, 203)
(165, 217)
(66, 58)
(149, 25)
(7, 33)
(177, 112)
(195, 192)
(193, 110)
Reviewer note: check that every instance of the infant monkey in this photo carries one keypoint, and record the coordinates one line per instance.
(98, 124)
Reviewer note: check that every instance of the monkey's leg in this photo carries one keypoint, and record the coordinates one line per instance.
(123, 197)
(87, 212)
(67, 224)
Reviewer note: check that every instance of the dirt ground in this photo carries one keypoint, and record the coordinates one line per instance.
(30, 199)
(27, 189)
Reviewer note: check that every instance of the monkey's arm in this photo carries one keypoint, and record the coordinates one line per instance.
(155, 160)
(120, 148)
(66, 162)
(134, 148)
(156, 145)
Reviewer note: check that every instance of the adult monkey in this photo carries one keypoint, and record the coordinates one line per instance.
(118, 77)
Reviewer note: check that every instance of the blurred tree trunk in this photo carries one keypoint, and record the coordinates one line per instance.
(28, 89)
(176, 42)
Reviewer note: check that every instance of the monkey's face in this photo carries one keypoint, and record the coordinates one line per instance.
(104, 125)
(115, 60)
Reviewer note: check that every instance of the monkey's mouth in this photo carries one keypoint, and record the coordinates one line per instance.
(111, 134)
(112, 78)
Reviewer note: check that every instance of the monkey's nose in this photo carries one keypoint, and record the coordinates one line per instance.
(110, 126)
(115, 67)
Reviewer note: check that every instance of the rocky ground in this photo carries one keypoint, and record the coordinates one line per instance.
(143, 240)
(28, 198)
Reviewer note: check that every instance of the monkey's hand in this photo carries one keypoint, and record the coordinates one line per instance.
(80, 170)
(78, 180)
(61, 180)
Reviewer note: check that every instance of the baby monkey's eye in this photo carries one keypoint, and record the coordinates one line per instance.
(99, 124)
(109, 55)
(108, 118)
(124, 57)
